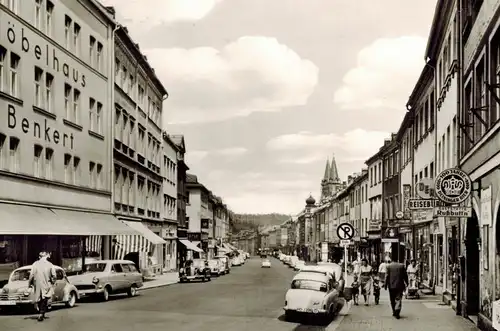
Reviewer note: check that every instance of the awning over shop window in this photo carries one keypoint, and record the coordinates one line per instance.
(21, 219)
(189, 245)
(146, 232)
(229, 247)
(93, 244)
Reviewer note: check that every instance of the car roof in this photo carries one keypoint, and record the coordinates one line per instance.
(308, 275)
(29, 267)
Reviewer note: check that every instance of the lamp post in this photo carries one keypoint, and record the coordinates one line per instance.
(310, 203)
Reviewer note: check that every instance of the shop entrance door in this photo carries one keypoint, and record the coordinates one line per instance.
(472, 253)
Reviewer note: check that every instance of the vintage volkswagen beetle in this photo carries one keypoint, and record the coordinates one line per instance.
(18, 293)
(313, 293)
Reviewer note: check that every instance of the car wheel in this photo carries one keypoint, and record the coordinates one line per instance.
(289, 316)
(105, 294)
(71, 300)
(132, 291)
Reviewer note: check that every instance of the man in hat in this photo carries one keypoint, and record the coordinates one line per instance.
(42, 279)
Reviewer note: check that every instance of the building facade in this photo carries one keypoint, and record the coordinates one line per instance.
(137, 155)
(198, 215)
(56, 74)
(169, 211)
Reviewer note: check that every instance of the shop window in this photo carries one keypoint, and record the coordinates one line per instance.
(10, 248)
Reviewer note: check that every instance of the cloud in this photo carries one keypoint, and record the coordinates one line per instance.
(197, 156)
(144, 14)
(305, 147)
(385, 74)
(253, 73)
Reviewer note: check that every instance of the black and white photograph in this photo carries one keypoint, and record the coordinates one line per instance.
(250, 165)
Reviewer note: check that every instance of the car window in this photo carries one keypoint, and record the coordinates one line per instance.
(125, 268)
(95, 267)
(304, 284)
(59, 274)
(116, 268)
(132, 268)
(20, 275)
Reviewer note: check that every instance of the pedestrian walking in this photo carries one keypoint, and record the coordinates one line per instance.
(396, 281)
(365, 276)
(382, 270)
(42, 279)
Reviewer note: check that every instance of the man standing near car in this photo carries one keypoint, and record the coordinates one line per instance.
(396, 280)
(42, 279)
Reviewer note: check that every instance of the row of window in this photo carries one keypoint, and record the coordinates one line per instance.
(128, 83)
(359, 195)
(427, 172)
(135, 191)
(446, 156)
(424, 119)
(44, 164)
(392, 164)
(170, 169)
(392, 206)
(9, 72)
(375, 174)
(135, 138)
(169, 205)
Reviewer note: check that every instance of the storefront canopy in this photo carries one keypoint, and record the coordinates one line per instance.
(229, 247)
(29, 220)
(189, 245)
(146, 232)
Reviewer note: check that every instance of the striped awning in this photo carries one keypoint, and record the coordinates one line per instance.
(142, 242)
(93, 244)
(130, 244)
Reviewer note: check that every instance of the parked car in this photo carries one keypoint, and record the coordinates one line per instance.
(225, 262)
(236, 261)
(216, 267)
(17, 292)
(313, 293)
(292, 261)
(197, 269)
(102, 278)
(299, 265)
(266, 263)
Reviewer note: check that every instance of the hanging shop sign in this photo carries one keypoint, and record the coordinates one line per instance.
(391, 235)
(420, 204)
(453, 186)
(425, 188)
(453, 211)
(406, 198)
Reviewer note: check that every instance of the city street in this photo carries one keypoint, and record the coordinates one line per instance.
(250, 298)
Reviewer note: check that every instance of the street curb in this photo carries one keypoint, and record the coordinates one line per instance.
(144, 288)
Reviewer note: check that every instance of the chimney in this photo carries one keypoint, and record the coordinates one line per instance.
(111, 10)
(387, 141)
(393, 136)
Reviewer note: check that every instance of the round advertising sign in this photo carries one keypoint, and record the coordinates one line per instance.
(453, 186)
(425, 188)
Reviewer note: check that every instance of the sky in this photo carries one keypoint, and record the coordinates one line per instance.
(265, 91)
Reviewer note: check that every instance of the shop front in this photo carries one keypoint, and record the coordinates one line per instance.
(69, 236)
(439, 265)
(424, 245)
(374, 232)
(169, 232)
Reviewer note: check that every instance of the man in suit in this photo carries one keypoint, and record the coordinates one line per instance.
(42, 278)
(396, 280)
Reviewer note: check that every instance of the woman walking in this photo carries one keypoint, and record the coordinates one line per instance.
(365, 277)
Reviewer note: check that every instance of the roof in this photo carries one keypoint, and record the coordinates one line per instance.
(169, 140)
(405, 124)
(424, 80)
(440, 21)
(312, 274)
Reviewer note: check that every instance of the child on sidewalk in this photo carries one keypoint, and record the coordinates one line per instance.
(355, 289)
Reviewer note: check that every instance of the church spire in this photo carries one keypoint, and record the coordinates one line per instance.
(334, 174)
(327, 170)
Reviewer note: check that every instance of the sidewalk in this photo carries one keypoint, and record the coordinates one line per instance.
(166, 279)
(426, 313)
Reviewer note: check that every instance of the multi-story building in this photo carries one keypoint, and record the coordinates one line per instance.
(479, 154)
(198, 216)
(56, 89)
(169, 211)
(391, 198)
(374, 164)
(442, 54)
(137, 154)
(421, 105)
(182, 199)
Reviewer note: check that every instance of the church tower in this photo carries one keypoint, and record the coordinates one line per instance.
(331, 183)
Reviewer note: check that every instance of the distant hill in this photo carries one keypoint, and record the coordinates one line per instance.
(256, 220)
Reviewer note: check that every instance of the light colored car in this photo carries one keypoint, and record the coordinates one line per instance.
(312, 293)
(217, 267)
(225, 262)
(293, 260)
(299, 265)
(105, 277)
(236, 261)
(17, 291)
(266, 264)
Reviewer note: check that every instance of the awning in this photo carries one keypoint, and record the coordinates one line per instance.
(229, 247)
(222, 250)
(146, 232)
(21, 219)
(189, 245)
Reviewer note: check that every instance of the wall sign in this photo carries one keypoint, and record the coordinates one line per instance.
(425, 188)
(486, 217)
(453, 186)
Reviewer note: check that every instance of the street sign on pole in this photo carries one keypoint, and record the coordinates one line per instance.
(399, 215)
(345, 242)
(345, 231)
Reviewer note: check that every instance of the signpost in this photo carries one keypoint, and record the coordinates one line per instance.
(345, 232)
(400, 214)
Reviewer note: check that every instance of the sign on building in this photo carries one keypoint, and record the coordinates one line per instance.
(418, 204)
(425, 188)
(453, 211)
(406, 199)
(391, 235)
(486, 217)
(453, 186)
